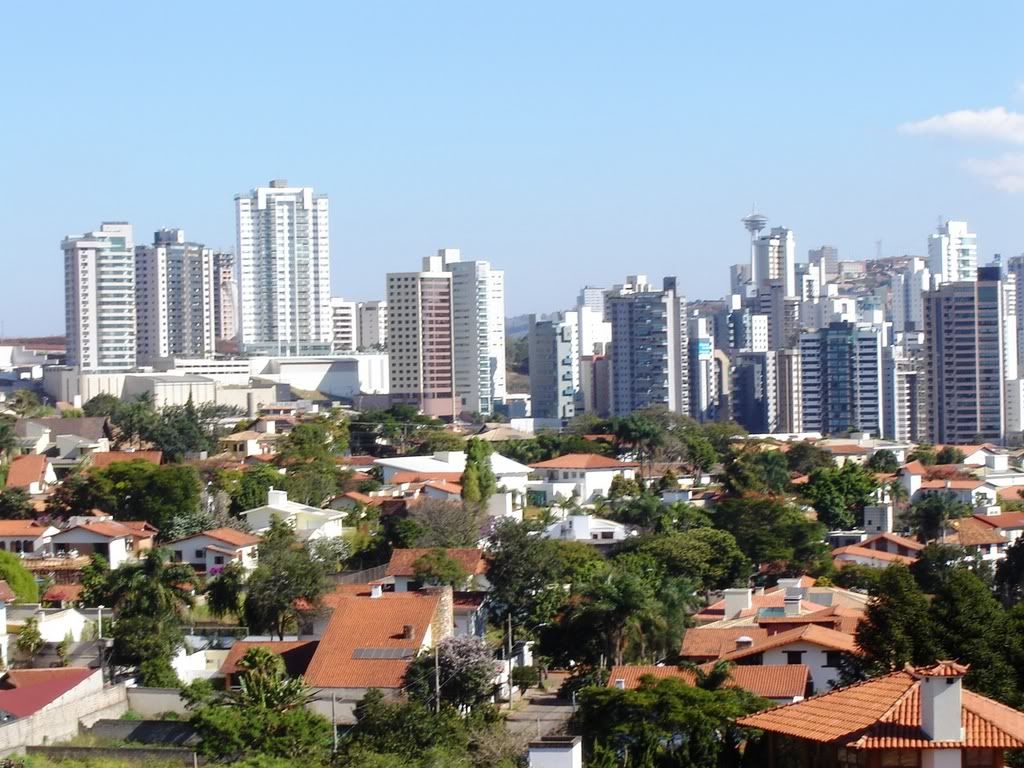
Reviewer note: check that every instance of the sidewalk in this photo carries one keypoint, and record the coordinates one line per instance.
(544, 713)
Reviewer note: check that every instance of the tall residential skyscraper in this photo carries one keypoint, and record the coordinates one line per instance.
(964, 343)
(908, 288)
(649, 350)
(841, 373)
(176, 294)
(755, 391)
(284, 267)
(478, 330)
(373, 324)
(905, 391)
(225, 298)
(953, 253)
(703, 379)
(99, 298)
(826, 260)
(775, 259)
(420, 338)
(345, 325)
(554, 366)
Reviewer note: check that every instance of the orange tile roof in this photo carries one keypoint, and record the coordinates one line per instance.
(858, 550)
(895, 538)
(885, 713)
(1010, 493)
(25, 470)
(21, 528)
(771, 681)
(403, 560)
(109, 529)
(973, 532)
(811, 633)
(914, 467)
(105, 459)
(373, 624)
(584, 461)
(6, 593)
(714, 642)
(953, 485)
(452, 489)
(846, 449)
(773, 599)
(296, 654)
(64, 593)
(25, 678)
(1006, 520)
(230, 536)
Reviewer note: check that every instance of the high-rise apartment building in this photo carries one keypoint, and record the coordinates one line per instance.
(826, 261)
(754, 395)
(225, 298)
(373, 325)
(344, 325)
(702, 370)
(905, 391)
(964, 342)
(1015, 267)
(909, 286)
(99, 298)
(176, 293)
(953, 253)
(478, 329)
(841, 373)
(649, 350)
(594, 298)
(595, 385)
(789, 390)
(554, 366)
(420, 338)
(284, 270)
(775, 260)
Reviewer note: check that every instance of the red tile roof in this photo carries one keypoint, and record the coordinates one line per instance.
(230, 536)
(105, 459)
(1010, 493)
(452, 489)
(960, 484)
(6, 593)
(858, 550)
(106, 528)
(811, 633)
(25, 470)
(30, 528)
(903, 541)
(885, 713)
(295, 654)
(974, 532)
(773, 599)
(714, 642)
(365, 625)
(63, 593)
(403, 560)
(846, 449)
(1005, 521)
(28, 694)
(771, 681)
(584, 461)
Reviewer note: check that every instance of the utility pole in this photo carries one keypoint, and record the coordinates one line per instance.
(437, 681)
(334, 720)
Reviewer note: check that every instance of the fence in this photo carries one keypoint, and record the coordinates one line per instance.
(363, 576)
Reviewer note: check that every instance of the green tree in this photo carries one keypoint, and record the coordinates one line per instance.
(252, 485)
(312, 482)
(29, 641)
(478, 457)
(18, 578)
(771, 530)
(8, 438)
(438, 567)
(406, 729)
(522, 568)
(935, 563)
(803, 458)
(466, 671)
(924, 453)
(884, 461)
(471, 485)
(896, 629)
(157, 672)
(224, 591)
(839, 494)
(950, 454)
(1010, 574)
(639, 433)
(263, 684)
(700, 453)
(751, 470)
(707, 556)
(287, 576)
(96, 581)
(446, 524)
(525, 678)
(102, 405)
(929, 516)
(16, 504)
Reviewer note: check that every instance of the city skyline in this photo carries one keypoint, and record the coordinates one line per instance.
(553, 152)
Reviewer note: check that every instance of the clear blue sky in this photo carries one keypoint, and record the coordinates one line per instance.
(568, 143)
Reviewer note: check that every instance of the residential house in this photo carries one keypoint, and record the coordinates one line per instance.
(402, 568)
(781, 684)
(104, 460)
(118, 542)
(307, 522)
(27, 538)
(1009, 524)
(982, 539)
(588, 529)
(211, 551)
(250, 443)
(32, 473)
(584, 477)
(703, 644)
(27, 693)
(878, 551)
(919, 716)
(65, 441)
(296, 655)
(792, 598)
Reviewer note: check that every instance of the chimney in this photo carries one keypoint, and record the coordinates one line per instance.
(791, 602)
(556, 752)
(941, 700)
(737, 600)
(620, 683)
(443, 624)
(744, 641)
(376, 590)
(408, 632)
(276, 498)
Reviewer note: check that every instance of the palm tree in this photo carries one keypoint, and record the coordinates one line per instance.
(8, 438)
(899, 495)
(152, 587)
(264, 683)
(711, 679)
(224, 591)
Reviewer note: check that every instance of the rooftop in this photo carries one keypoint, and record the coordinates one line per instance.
(403, 560)
(25, 470)
(105, 459)
(771, 681)
(584, 461)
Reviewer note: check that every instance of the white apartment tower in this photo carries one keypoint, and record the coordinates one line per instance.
(909, 286)
(373, 324)
(953, 253)
(176, 292)
(478, 330)
(284, 269)
(420, 341)
(345, 326)
(99, 298)
(775, 260)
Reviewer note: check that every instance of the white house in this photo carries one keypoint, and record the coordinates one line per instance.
(584, 476)
(588, 529)
(25, 537)
(118, 542)
(32, 473)
(308, 522)
(212, 550)
(402, 568)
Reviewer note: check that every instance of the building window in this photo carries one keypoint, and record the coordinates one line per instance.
(794, 657)
(833, 658)
(200, 554)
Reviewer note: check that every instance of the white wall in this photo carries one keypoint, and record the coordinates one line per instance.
(814, 658)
